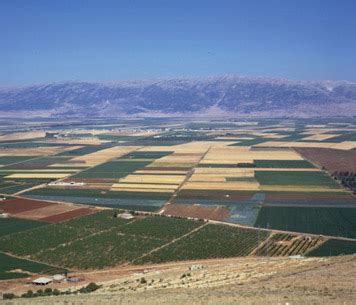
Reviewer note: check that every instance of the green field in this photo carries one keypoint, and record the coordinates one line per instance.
(295, 178)
(14, 225)
(334, 247)
(283, 164)
(112, 169)
(316, 220)
(9, 263)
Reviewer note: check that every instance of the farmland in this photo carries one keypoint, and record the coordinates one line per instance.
(196, 190)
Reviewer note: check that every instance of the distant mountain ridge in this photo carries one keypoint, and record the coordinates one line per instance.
(195, 96)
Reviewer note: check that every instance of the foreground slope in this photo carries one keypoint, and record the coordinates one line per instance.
(228, 281)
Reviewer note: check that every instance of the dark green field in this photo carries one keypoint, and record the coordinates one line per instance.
(295, 178)
(8, 263)
(316, 220)
(334, 247)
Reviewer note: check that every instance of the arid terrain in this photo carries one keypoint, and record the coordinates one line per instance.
(229, 281)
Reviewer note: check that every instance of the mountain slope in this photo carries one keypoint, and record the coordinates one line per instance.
(212, 96)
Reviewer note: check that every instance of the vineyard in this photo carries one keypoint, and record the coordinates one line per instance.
(283, 244)
(212, 241)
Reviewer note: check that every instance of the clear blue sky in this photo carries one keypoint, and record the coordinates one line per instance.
(105, 40)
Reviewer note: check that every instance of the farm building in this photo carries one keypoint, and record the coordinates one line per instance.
(42, 281)
(4, 215)
(125, 216)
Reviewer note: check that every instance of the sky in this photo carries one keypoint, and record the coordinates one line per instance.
(103, 40)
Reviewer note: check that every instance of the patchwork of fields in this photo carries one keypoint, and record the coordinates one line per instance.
(266, 175)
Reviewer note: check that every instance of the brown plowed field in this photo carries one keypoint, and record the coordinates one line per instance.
(197, 211)
(47, 211)
(69, 215)
(20, 205)
(331, 159)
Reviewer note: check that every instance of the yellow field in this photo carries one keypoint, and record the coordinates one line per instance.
(104, 155)
(173, 179)
(147, 190)
(238, 172)
(215, 177)
(143, 186)
(160, 172)
(36, 175)
(231, 186)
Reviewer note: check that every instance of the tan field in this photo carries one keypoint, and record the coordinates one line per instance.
(248, 155)
(37, 151)
(22, 135)
(320, 137)
(346, 145)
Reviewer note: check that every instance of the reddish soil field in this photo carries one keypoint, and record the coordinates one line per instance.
(222, 195)
(14, 206)
(196, 211)
(69, 215)
(331, 159)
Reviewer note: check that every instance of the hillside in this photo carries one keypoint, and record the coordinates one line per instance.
(228, 281)
(211, 96)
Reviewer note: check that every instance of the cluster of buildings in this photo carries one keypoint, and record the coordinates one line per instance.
(57, 278)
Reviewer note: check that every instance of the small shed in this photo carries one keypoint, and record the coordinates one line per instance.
(42, 281)
(4, 215)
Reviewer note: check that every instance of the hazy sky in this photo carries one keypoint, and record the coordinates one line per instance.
(57, 40)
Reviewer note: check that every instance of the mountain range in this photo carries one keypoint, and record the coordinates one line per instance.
(184, 96)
